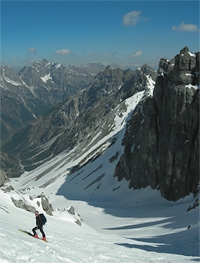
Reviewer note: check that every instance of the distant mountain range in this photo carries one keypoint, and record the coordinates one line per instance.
(161, 142)
(35, 89)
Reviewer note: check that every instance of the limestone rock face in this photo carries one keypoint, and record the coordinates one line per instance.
(162, 137)
(185, 63)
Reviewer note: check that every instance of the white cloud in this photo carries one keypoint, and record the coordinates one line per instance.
(132, 18)
(32, 50)
(90, 53)
(185, 27)
(136, 54)
(63, 51)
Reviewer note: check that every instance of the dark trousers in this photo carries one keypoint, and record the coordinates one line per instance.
(41, 230)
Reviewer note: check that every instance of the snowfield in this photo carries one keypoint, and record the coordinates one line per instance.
(118, 224)
(149, 229)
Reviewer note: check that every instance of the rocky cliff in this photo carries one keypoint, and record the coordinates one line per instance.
(162, 137)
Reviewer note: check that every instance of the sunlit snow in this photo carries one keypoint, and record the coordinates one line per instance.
(190, 86)
(133, 226)
(58, 66)
(11, 81)
(46, 78)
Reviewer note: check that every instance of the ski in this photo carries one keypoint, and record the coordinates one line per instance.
(30, 234)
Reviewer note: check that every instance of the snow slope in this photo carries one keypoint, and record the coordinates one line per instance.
(149, 229)
(118, 224)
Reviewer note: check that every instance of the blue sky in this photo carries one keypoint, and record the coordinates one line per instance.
(79, 32)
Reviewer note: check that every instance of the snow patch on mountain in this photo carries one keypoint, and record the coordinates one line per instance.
(58, 66)
(11, 81)
(190, 86)
(150, 85)
(46, 78)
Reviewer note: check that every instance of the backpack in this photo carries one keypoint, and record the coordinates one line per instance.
(44, 220)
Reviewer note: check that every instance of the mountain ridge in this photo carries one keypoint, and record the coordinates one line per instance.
(72, 121)
(35, 89)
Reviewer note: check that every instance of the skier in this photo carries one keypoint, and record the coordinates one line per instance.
(39, 225)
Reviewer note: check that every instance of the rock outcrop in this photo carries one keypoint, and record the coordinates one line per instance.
(23, 205)
(3, 178)
(47, 207)
(162, 137)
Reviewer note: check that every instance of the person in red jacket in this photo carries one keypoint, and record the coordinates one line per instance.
(39, 225)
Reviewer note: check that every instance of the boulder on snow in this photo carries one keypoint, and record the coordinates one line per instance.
(8, 188)
(3, 178)
(47, 207)
(22, 204)
(78, 222)
(71, 210)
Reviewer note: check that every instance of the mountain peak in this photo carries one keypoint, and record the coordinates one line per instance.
(45, 60)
